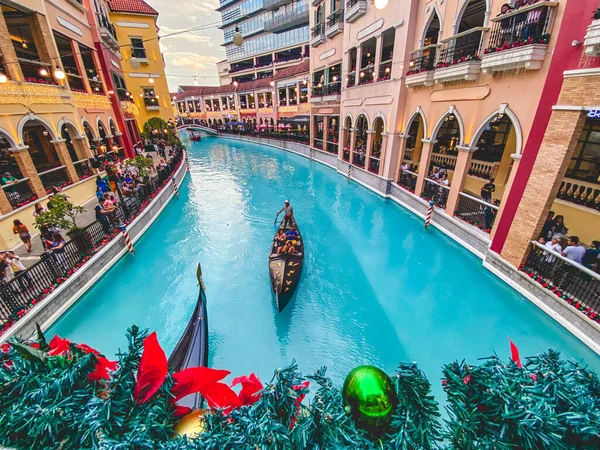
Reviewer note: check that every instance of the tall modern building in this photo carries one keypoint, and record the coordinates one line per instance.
(275, 36)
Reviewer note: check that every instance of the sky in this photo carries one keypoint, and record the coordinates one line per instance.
(194, 53)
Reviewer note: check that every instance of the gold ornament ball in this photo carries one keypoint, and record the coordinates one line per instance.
(371, 397)
(192, 424)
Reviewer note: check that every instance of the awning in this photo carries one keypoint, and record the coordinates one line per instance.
(300, 120)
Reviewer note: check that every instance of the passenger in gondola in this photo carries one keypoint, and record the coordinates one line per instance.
(292, 233)
(280, 239)
(288, 247)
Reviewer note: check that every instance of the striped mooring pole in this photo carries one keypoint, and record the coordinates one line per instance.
(123, 229)
(311, 153)
(175, 187)
(429, 214)
(349, 170)
(187, 162)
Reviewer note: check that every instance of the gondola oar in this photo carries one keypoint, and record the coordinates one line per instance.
(276, 217)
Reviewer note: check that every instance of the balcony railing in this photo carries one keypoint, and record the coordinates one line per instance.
(335, 18)
(580, 193)
(436, 192)
(385, 70)
(527, 25)
(328, 89)
(351, 80)
(482, 169)
(463, 47)
(374, 165)
(447, 161)
(83, 169)
(55, 178)
(75, 81)
(290, 18)
(19, 193)
(241, 68)
(569, 281)
(358, 159)
(422, 59)
(355, 9)
(407, 180)
(317, 30)
(331, 147)
(476, 212)
(31, 71)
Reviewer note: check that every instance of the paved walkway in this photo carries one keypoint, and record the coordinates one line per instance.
(82, 220)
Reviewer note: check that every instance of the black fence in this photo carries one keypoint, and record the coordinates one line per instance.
(317, 30)
(570, 281)
(422, 61)
(57, 178)
(475, 212)
(531, 26)
(19, 194)
(83, 169)
(358, 159)
(436, 192)
(407, 180)
(336, 17)
(461, 49)
(32, 285)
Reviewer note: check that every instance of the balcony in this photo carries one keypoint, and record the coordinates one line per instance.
(16, 92)
(591, 43)
(354, 10)
(335, 23)
(289, 19)
(151, 104)
(107, 32)
(91, 101)
(519, 40)
(421, 65)
(459, 57)
(583, 193)
(274, 4)
(317, 34)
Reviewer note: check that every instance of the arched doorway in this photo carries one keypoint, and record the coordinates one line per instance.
(104, 142)
(37, 136)
(425, 59)
(360, 146)
(347, 135)
(488, 173)
(376, 145)
(469, 28)
(414, 142)
(17, 191)
(89, 133)
(68, 133)
(117, 146)
(442, 161)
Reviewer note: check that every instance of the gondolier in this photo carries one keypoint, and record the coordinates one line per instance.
(288, 214)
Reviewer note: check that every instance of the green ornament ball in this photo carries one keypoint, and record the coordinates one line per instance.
(370, 395)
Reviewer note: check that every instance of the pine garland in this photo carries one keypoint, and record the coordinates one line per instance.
(50, 402)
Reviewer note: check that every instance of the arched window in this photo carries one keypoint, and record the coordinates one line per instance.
(68, 133)
(360, 147)
(376, 144)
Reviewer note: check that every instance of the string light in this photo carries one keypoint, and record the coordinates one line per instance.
(3, 78)
(43, 72)
(59, 74)
(151, 80)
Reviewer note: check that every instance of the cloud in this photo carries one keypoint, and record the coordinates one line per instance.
(192, 61)
(192, 36)
(189, 8)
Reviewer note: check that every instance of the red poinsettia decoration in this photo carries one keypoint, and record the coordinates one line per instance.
(102, 369)
(59, 346)
(515, 354)
(251, 389)
(152, 370)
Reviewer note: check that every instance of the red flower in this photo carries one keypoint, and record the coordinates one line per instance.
(59, 346)
(466, 379)
(152, 370)
(4, 348)
(251, 387)
(302, 386)
(102, 369)
(196, 379)
(533, 376)
(87, 349)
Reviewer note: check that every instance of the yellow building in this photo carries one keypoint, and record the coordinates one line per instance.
(143, 64)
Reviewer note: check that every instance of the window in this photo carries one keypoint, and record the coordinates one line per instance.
(585, 163)
(120, 87)
(150, 98)
(137, 48)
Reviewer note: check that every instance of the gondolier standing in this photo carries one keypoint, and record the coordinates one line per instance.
(288, 214)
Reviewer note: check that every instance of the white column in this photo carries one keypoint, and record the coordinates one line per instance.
(358, 63)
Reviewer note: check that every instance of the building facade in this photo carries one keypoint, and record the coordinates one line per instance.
(143, 64)
(275, 36)
(56, 110)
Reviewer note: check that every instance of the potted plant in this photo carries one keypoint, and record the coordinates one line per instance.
(63, 214)
(596, 15)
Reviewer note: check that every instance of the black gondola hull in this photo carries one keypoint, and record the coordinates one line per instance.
(285, 271)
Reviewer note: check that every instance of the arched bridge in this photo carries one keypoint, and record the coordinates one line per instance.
(195, 127)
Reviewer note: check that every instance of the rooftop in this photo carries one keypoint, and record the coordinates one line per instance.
(132, 6)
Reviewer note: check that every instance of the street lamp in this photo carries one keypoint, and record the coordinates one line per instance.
(380, 4)
(237, 38)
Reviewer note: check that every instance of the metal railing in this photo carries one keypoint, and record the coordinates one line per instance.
(288, 16)
(19, 193)
(33, 284)
(55, 178)
(351, 80)
(331, 147)
(463, 47)
(407, 180)
(432, 190)
(476, 212)
(346, 155)
(423, 59)
(358, 159)
(317, 30)
(570, 281)
(75, 81)
(291, 136)
(527, 25)
(83, 169)
(336, 17)
(374, 165)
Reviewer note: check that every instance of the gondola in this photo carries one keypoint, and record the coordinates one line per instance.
(194, 136)
(192, 348)
(285, 269)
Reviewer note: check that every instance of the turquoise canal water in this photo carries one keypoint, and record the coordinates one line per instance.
(376, 288)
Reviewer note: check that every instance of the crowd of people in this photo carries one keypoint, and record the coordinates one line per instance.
(554, 237)
(506, 8)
